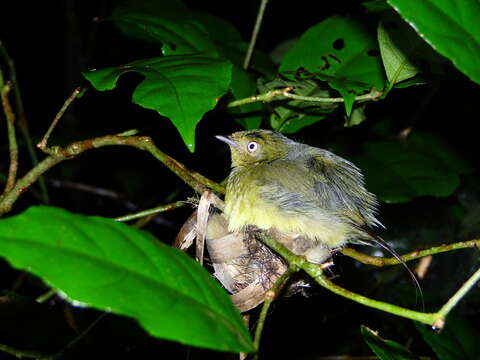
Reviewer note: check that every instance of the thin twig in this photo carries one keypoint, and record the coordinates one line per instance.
(81, 336)
(22, 119)
(270, 296)
(445, 309)
(43, 143)
(151, 211)
(256, 30)
(372, 95)
(12, 138)
(20, 353)
(380, 261)
(284, 93)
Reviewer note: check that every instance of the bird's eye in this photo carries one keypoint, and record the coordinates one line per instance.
(252, 146)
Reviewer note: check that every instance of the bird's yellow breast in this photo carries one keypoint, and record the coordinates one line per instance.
(248, 201)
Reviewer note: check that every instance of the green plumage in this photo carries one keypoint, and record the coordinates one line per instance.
(313, 197)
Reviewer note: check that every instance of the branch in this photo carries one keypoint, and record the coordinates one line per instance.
(12, 138)
(380, 261)
(151, 211)
(58, 154)
(256, 30)
(43, 143)
(21, 117)
(436, 320)
(270, 295)
(284, 93)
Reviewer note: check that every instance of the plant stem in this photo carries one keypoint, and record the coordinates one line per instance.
(372, 95)
(269, 297)
(43, 143)
(380, 261)
(25, 182)
(445, 309)
(434, 319)
(265, 97)
(22, 119)
(285, 93)
(151, 211)
(12, 138)
(256, 30)
(57, 154)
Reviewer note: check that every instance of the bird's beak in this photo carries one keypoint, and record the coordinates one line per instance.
(227, 140)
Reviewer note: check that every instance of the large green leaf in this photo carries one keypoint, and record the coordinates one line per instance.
(450, 26)
(182, 88)
(386, 349)
(458, 340)
(398, 171)
(111, 266)
(342, 48)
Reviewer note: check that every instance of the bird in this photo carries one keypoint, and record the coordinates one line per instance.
(312, 200)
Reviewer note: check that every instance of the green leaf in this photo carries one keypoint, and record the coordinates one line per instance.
(403, 51)
(181, 30)
(111, 266)
(182, 88)
(386, 349)
(398, 66)
(293, 125)
(287, 115)
(450, 26)
(436, 148)
(399, 171)
(342, 48)
(357, 117)
(164, 23)
(242, 86)
(458, 340)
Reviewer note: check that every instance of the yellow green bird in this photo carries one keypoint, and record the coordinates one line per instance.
(313, 198)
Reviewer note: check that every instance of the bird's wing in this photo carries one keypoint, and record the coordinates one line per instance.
(339, 186)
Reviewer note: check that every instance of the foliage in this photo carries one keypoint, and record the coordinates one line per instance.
(340, 70)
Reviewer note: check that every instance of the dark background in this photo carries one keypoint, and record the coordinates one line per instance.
(52, 42)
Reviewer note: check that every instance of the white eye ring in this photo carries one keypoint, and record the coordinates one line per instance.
(252, 146)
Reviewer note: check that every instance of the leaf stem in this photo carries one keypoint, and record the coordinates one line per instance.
(256, 30)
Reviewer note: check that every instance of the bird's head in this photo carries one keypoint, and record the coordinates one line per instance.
(254, 146)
